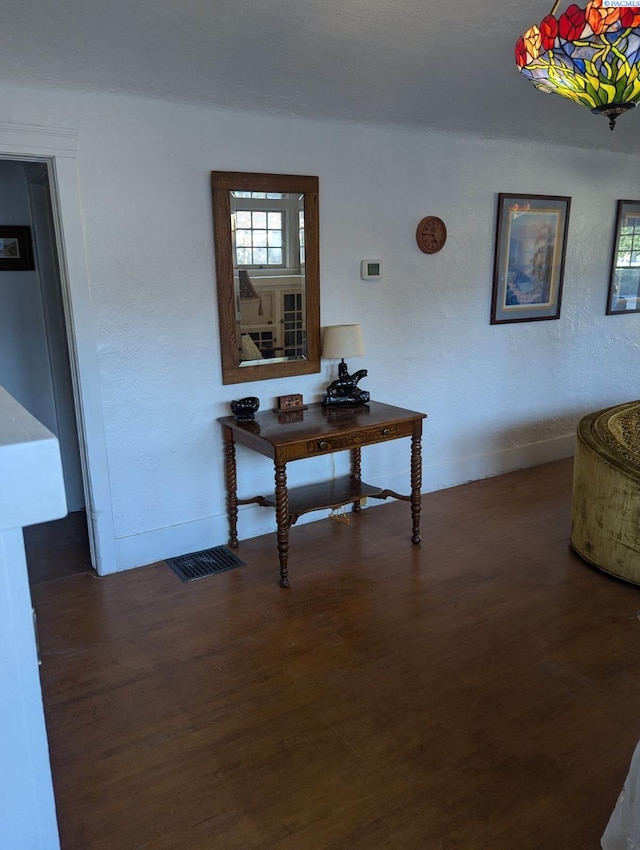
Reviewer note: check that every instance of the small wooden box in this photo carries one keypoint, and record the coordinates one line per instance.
(291, 402)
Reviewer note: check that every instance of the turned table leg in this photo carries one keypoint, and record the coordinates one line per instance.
(231, 483)
(356, 472)
(416, 482)
(282, 519)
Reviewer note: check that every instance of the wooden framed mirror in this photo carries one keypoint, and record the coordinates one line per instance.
(267, 246)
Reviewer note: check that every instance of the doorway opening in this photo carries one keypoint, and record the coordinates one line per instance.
(35, 363)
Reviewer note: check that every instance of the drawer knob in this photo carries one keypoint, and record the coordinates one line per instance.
(323, 444)
(385, 431)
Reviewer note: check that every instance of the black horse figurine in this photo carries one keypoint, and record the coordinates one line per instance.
(343, 391)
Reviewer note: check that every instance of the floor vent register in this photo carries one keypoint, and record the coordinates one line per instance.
(206, 563)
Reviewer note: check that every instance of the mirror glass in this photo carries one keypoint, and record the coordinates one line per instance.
(267, 264)
(624, 283)
(267, 237)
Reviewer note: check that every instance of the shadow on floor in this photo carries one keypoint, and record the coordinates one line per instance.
(58, 549)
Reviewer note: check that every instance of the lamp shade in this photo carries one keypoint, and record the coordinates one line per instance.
(339, 341)
(590, 56)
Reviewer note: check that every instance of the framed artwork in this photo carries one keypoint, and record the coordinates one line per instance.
(624, 283)
(16, 251)
(531, 235)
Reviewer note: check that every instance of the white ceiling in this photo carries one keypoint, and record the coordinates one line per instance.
(415, 63)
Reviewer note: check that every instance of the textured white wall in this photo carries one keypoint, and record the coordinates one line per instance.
(498, 397)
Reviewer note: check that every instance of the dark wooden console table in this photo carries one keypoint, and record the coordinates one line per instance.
(319, 430)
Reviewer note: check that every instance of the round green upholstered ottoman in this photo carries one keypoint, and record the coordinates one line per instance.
(605, 508)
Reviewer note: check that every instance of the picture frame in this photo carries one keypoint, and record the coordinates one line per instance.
(623, 295)
(16, 250)
(528, 271)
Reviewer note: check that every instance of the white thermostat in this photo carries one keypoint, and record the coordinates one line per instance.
(370, 269)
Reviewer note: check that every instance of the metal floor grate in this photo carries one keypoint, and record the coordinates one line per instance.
(205, 563)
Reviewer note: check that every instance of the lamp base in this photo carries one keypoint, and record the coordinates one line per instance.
(343, 392)
(613, 111)
(355, 400)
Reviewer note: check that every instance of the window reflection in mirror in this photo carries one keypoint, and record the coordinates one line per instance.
(267, 267)
(624, 286)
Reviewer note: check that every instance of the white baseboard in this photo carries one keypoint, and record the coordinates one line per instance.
(156, 545)
(476, 467)
(138, 550)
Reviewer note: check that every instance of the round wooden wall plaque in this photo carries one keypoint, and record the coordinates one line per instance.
(431, 234)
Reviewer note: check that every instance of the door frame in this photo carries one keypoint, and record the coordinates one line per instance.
(58, 148)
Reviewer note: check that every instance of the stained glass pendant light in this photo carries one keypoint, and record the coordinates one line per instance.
(590, 55)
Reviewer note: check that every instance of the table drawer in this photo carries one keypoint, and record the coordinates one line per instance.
(367, 436)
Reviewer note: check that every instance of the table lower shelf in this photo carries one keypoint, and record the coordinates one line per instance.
(328, 494)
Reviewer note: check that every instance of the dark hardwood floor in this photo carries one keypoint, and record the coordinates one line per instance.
(479, 692)
(58, 549)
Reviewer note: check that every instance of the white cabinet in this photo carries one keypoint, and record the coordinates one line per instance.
(275, 318)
